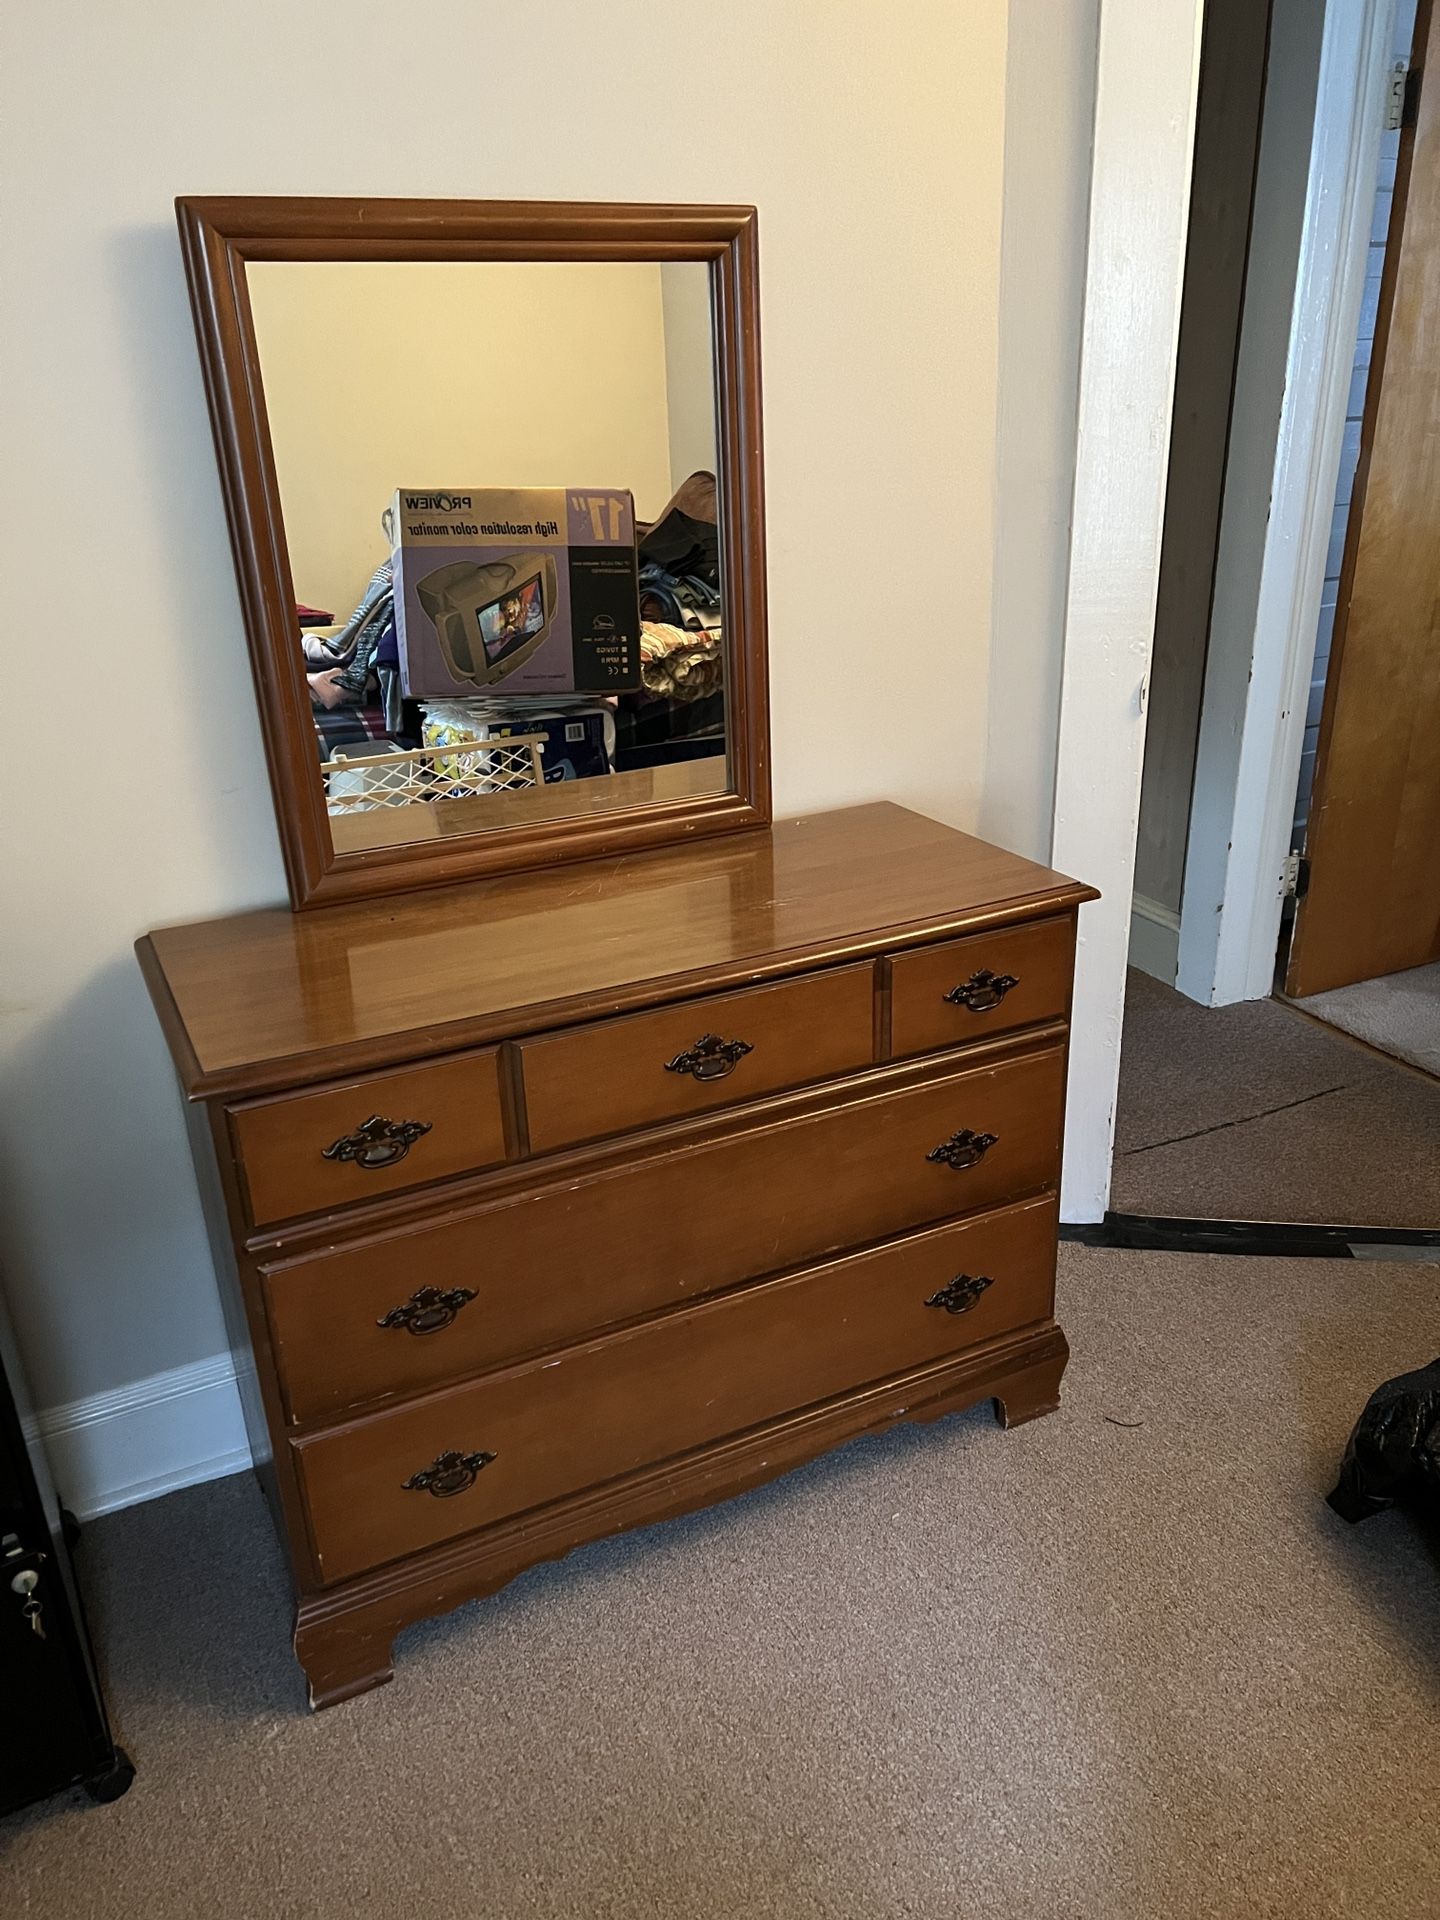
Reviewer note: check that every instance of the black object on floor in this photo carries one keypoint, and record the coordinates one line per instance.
(1270, 1239)
(57, 1733)
(1394, 1450)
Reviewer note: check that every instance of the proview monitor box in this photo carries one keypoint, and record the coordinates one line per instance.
(531, 589)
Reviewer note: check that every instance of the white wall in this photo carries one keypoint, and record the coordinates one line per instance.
(879, 185)
(690, 394)
(1049, 121)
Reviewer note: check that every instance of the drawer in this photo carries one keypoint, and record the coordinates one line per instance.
(985, 984)
(309, 1152)
(383, 1487)
(562, 1260)
(686, 1059)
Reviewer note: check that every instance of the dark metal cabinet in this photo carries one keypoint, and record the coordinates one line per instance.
(55, 1732)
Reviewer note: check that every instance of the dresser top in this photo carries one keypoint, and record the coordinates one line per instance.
(272, 999)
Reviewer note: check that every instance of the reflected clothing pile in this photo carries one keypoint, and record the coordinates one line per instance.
(679, 713)
(677, 664)
(365, 646)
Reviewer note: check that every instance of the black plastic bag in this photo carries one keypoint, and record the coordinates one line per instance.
(1395, 1448)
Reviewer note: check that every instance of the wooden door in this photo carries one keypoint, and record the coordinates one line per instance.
(1373, 901)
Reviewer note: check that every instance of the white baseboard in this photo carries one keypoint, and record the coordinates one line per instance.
(173, 1430)
(1154, 938)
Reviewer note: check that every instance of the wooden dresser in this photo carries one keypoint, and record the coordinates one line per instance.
(555, 1204)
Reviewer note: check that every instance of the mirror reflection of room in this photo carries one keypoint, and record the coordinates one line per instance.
(498, 488)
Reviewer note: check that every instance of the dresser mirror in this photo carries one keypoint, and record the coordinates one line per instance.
(493, 476)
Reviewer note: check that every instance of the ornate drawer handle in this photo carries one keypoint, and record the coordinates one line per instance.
(428, 1310)
(378, 1143)
(960, 1294)
(963, 1149)
(711, 1058)
(447, 1474)
(982, 991)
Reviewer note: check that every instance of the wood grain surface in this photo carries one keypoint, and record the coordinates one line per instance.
(271, 999)
(1038, 957)
(343, 1632)
(639, 1296)
(617, 1074)
(674, 1222)
(280, 1144)
(622, 1402)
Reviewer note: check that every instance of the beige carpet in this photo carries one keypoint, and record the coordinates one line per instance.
(1122, 1664)
(1399, 1013)
(1253, 1112)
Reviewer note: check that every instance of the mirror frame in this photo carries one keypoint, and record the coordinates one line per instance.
(218, 236)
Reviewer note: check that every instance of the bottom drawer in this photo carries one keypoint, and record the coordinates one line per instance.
(381, 1488)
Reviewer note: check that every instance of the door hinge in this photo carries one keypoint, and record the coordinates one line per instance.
(1296, 877)
(1397, 96)
(1402, 95)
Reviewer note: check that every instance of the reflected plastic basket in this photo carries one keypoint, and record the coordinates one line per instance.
(361, 783)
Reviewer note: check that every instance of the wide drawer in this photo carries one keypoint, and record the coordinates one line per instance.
(686, 1059)
(985, 984)
(423, 1473)
(309, 1152)
(562, 1260)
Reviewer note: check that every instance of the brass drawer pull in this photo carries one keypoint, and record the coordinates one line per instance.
(428, 1310)
(448, 1473)
(378, 1143)
(982, 991)
(960, 1294)
(711, 1058)
(963, 1149)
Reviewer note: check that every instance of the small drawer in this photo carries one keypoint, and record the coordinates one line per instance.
(700, 1054)
(560, 1261)
(457, 1461)
(985, 984)
(308, 1152)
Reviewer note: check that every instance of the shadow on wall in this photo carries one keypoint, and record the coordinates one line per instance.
(192, 658)
(105, 1255)
(101, 1239)
(107, 1269)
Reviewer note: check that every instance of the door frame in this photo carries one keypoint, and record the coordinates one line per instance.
(1252, 723)
(1146, 84)
(1147, 74)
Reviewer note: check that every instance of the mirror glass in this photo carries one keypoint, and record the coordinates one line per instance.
(498, 487)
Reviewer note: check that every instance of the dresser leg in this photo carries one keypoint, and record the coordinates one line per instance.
(340, 1660)
(1034, 1389)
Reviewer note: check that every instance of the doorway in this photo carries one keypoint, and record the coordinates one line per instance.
(1233, 1104)
(1361, 948)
